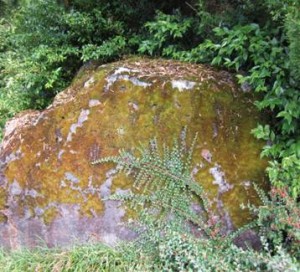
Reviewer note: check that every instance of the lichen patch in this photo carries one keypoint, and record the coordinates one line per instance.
(83, 116)
(119, 75)
(219, 179)
(183, 85)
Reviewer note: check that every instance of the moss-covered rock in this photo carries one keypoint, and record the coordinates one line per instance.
(49, 189)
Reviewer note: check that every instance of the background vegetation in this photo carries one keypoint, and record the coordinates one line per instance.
(43, 43)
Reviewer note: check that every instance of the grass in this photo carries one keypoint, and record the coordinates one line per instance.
(96, 257)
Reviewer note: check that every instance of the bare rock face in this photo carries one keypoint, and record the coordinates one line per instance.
(51, 194)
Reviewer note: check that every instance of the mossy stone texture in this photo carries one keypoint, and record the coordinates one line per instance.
(49, 190)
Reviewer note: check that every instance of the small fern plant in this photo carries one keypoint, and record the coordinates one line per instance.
(164, 199)
(165, 188)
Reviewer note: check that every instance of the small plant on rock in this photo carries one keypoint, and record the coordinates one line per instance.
(172, 236)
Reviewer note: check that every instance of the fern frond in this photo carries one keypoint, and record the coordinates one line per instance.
(164, 182)
(262, 195)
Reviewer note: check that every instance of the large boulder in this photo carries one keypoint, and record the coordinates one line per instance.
(51, 194)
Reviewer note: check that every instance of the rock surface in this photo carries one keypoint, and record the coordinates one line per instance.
(51, 194)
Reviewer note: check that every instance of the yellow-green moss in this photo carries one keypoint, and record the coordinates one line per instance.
(128, 116)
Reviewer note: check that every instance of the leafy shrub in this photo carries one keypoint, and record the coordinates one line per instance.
(293, 31)
(167, 35)
(43, 45)
(278, 221)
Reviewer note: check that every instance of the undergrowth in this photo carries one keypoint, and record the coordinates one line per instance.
(94, 257)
